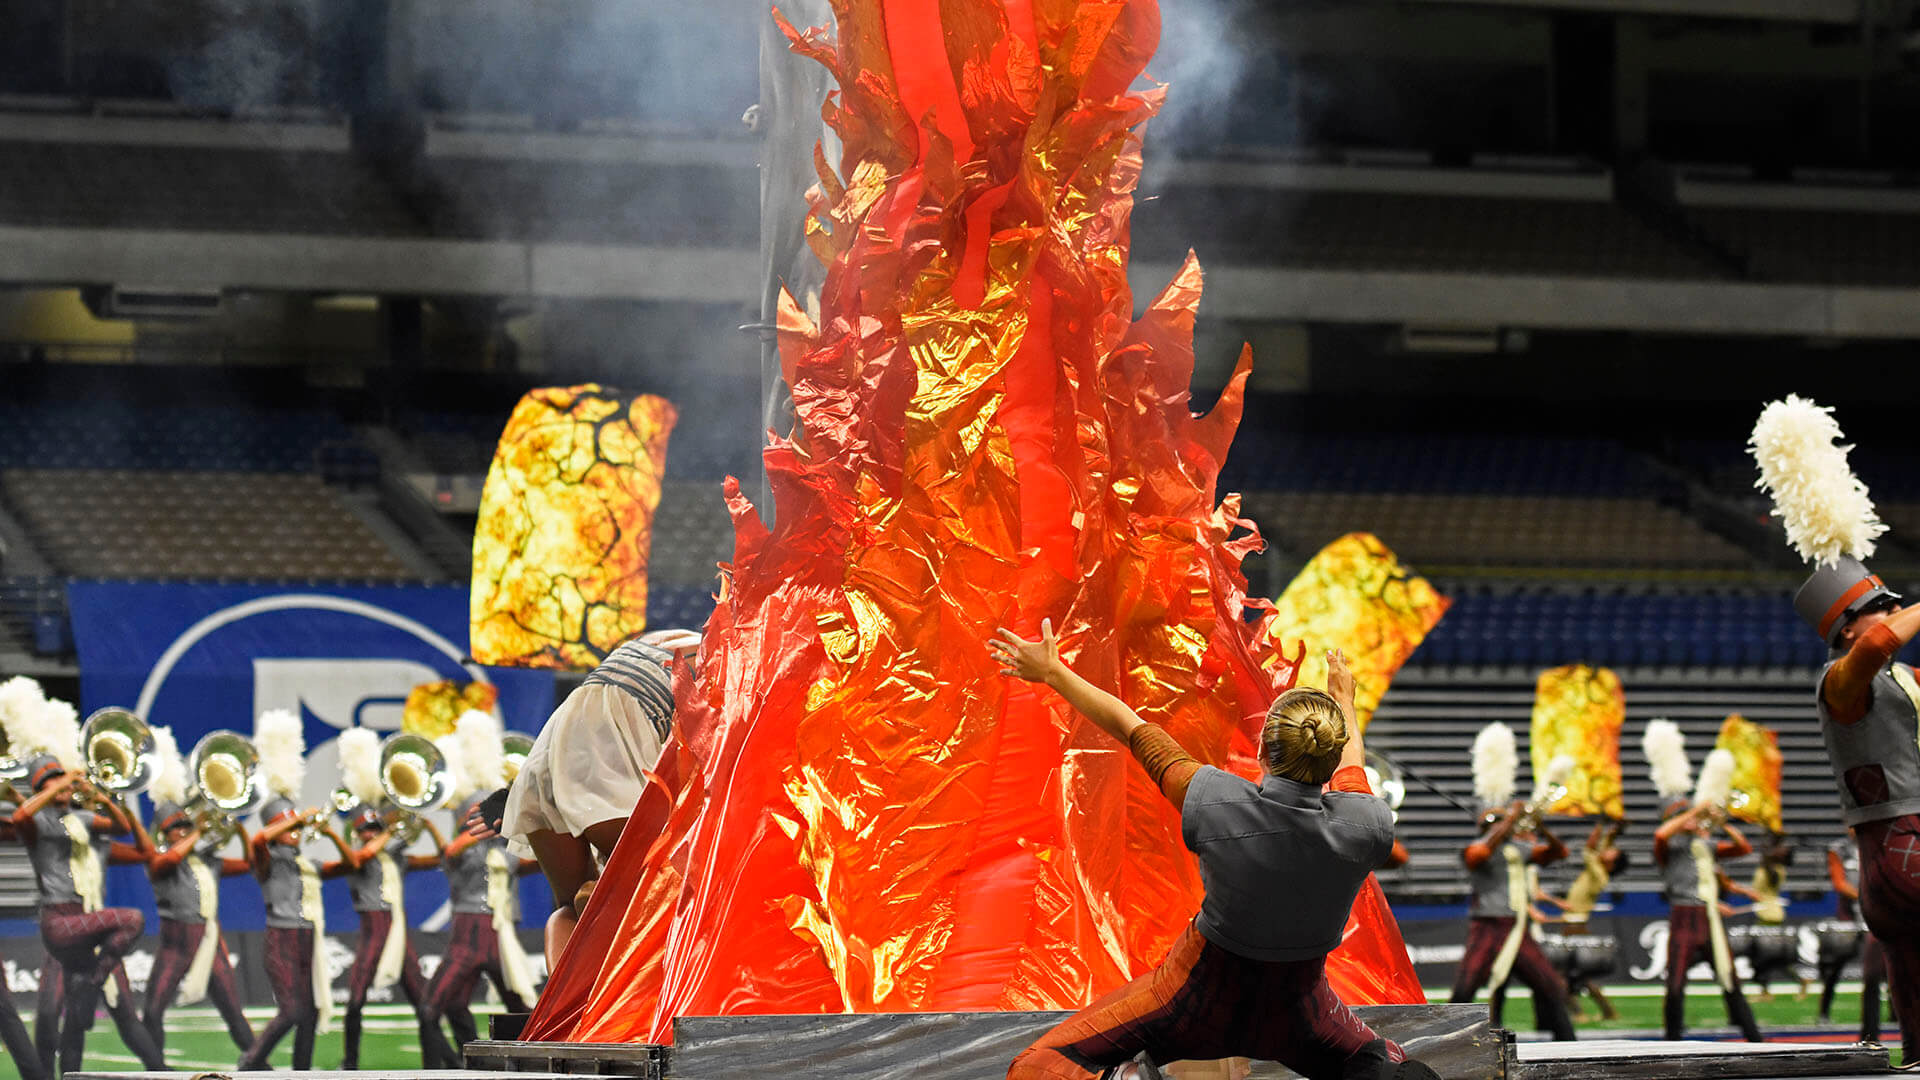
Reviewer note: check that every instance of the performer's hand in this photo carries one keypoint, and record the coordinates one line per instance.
(1340, 682)
(1033, 661)
(477, 825)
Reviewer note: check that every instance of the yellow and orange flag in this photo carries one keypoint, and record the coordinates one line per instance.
(566, 527)
(433, 709)
(1354, 595)
(1578, 711)
(1756, 771)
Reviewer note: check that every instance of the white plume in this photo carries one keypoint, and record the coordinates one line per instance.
(1495, 763)
(1558, 772)
(1803, 466)
(170, 779)
(1716, 779)
(22, 716)
(62, 722)
(480, 751)
(1666, 749)
(283, 752)
(359, 750)
(451, 749)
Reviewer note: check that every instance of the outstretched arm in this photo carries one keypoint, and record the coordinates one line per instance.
(1848, 686)
(1039, 662)
(1340, 687)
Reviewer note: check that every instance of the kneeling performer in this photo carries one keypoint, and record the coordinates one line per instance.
(1239, 982)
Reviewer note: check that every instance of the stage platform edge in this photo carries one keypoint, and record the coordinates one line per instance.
(1635, 1059)
(936, 1046)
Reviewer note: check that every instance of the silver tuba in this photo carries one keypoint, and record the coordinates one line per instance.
(514, 748)
(122, 757)
(416, 779)
(1386, 780)
(224, 771)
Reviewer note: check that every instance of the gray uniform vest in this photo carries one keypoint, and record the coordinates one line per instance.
(177, 895)
(1492, 887)
(1281, 861)
(1882, 746)
(283, 888)
(640, 671)
(365, 883)
(1682, 871)
(52, 852)
(467, 877)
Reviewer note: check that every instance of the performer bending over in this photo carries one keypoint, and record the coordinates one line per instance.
(1239, 982)
(385, 954)
(296, 924)
(1499, 945)
(193, 960)
(1869, 708)
(1684, 849)
(86, 939)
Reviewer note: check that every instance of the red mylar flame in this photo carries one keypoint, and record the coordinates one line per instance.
(857, 812)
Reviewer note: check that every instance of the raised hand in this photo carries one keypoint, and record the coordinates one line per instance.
(1340, 683)
(1034, 661)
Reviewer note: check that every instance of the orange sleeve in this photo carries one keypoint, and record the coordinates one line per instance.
(1352, 778)
(1848, 688)
(1168, 765)
(1476, 854)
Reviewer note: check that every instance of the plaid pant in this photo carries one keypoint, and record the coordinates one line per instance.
(374, 926)
(13, 1035)
(289, 957)
(1690, 942)
(179, 941)
(1486, 936)
(1203, 1003)
(1890, 903)
(473, 950)
(85, 949)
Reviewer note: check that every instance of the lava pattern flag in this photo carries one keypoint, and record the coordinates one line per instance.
(1578, 711)
(856, 812)
(1757, 765)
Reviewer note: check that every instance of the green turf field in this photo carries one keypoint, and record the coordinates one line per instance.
(196, 1041)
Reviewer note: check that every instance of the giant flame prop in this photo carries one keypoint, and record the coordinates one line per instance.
(1757, 766)
(1578, 712)
(856, 811)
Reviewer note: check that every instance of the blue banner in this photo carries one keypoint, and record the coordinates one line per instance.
(197, 658)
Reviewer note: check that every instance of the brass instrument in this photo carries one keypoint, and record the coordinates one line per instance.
(1550, 790)
(122, 757)
(514, 747)
(1387, 782)
(416, 779)
(12, 766)
(224, 770)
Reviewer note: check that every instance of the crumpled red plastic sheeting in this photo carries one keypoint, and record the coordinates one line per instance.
(857, 812)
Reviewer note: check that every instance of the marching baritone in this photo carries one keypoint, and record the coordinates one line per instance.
(1684, 849)
(384, 955)
(296, 925)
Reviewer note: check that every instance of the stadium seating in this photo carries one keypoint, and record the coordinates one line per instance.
(1827, 247)
(1263, 460)
(117, 435)
(196, 525)
(1344, 230)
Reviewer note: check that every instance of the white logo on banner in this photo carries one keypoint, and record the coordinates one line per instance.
(1653, 938)
(340, 693)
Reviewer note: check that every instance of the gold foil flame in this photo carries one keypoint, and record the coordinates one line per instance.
(565, 528)
(432, 709)
(1578, 711)
(1355, 596)
(1757, 766)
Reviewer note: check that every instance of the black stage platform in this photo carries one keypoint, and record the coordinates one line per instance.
(1455, 1039)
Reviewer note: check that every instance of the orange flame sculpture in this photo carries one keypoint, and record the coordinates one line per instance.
(1354, 595)
(1578, 711)
(856, 811)
(566, 524)
(1757, 766)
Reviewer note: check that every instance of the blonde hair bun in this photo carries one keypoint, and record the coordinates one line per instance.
(1303, 737)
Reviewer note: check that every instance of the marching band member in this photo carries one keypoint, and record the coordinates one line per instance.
(193, 963)
(1868, 703)
(586, 770)
(1499, 944)
(290, 882)
(1684, 849)
(1600, 859)
(483, 938)
(69, 848)
(385, 954)
(1239, 982)
(20, 701)
(1769, 909)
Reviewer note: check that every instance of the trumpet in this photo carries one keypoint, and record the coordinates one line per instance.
(1550, 790)
(416, 779)
(122, 757)
(514, 747)
(224, 770)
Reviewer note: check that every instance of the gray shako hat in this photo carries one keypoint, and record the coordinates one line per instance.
(277, 808)
(1835, 594)
(165, 812)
